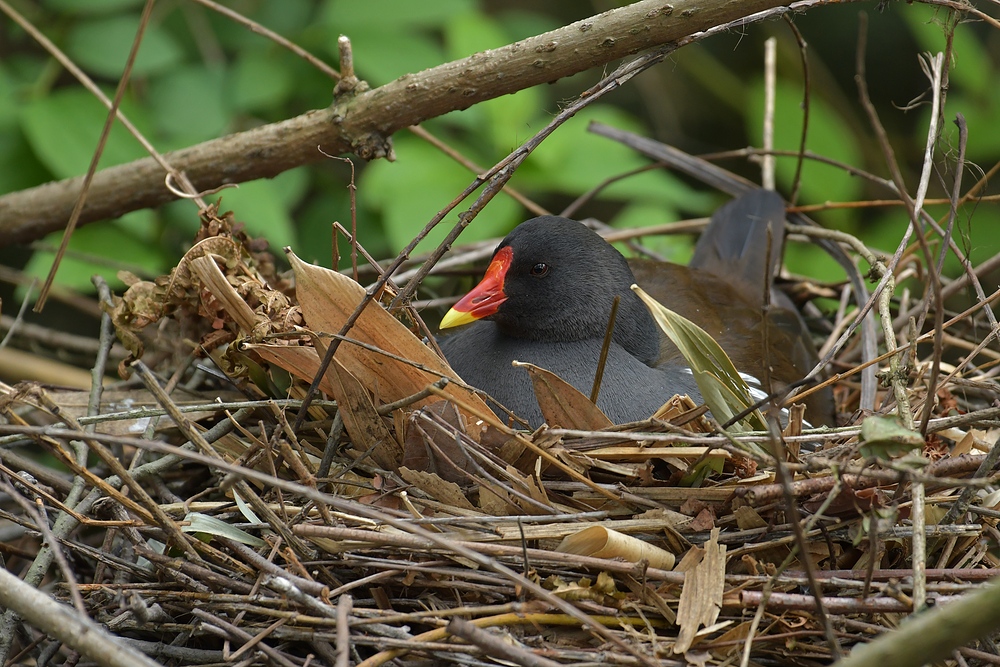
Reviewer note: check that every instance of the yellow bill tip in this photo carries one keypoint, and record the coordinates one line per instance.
(455, 318)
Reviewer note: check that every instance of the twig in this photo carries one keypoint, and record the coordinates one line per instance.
(806, 97)
(344, 631)
(88, 178)
(74, 630)
(770, 85)
(362, 124)
(605, 346)
(495, 647)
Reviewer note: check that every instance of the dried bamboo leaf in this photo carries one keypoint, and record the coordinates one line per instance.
(302, 362)
(433, 446)
(701, 595)
(495, 501)
(532, 487)
(215, 281)
(747, 518)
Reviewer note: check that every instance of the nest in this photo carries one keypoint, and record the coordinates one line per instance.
(385, 514)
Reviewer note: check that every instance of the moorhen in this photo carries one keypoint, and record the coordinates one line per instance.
(548, 292)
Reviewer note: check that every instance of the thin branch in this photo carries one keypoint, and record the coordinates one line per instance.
(363, 123)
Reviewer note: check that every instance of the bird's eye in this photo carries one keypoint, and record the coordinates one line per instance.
(540, 269)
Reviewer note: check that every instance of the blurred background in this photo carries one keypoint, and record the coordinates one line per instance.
(200, 76)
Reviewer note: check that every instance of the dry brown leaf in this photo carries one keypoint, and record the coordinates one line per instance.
(561, 403)
(529, 485)
(704, 520)
(440, 490)
(328, 299)
(495, 501)
(302, 362)
(964, 446)
(701, 595)
(747, 518)
(429, 445)
(365, 425)
(213, 279)
(730, 641)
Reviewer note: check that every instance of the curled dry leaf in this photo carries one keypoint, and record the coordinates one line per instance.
(601, 542)
(195, 313)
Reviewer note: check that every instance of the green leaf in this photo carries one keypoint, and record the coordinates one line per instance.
(502, 120)
(314, 225)
(245, 509)
(411, 52)
(259, 82)
(391, 37)
(971, 65)
(573, 160)
(113, 241)
(466, 33)
(350, 15)
(92, 6)
(187, 104)
(8, 101)
(981, 113)
(702, 471)
(19, 169)
(209, 525)
(285, 18)
(102, 46)
(675, 248)
(64, 127)
(829, 136)
(663, 189)
(724, 390)
(523, 23)
(262, 208)
(885, 437)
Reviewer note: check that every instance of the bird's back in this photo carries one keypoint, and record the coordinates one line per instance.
(723, 291)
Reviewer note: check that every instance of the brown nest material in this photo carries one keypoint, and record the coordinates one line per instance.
(394, 518)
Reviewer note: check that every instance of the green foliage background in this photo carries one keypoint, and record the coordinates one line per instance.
(200, 76)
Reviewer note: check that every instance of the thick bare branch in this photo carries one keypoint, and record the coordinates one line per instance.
(363, 124)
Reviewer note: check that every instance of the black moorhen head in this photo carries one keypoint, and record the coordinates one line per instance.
(553, 280)
(546, 299)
